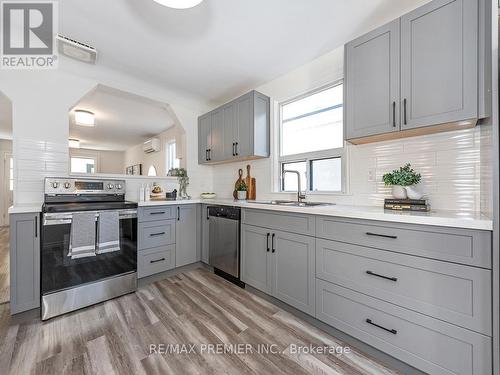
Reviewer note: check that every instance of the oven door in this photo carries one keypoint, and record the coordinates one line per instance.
(60, 272)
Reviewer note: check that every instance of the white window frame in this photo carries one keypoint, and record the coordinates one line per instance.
(310, 156)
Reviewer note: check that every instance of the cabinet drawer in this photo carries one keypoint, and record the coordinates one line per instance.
(454, 245)
(156, 233)
(285, 221)
(428, 344)
(157, 213)
(455, 293)
(155, 260)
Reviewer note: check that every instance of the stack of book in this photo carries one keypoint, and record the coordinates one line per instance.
(407, 205)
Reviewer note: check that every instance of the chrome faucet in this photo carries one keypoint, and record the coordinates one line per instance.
(300, 196)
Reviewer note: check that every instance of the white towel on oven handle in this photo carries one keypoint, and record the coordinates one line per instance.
(108, 232)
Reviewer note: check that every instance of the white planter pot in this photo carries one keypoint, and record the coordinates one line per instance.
(413, 193)
(242, 195)
(399, 192)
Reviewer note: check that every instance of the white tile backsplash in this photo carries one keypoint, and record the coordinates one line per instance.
(452, 166)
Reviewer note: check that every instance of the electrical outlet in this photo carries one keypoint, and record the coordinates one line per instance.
(371, 175)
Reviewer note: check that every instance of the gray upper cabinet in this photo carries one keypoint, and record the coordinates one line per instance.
(239, 130)
(372, 82)
(187, 235)
(425, 72)
(439, 63)
(24, 262)
(204, 137)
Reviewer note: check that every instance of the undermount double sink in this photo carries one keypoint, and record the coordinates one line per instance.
(294, 203)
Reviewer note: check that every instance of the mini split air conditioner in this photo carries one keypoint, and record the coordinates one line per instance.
(151, 145)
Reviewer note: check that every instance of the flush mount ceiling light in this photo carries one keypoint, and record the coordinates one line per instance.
(73, 143)
(179, 4)
(84, 118)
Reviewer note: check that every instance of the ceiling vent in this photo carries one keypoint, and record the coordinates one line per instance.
(151, 145)
(76, 50)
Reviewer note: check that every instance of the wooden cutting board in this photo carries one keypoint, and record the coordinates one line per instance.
(251, 185)
(238, 181)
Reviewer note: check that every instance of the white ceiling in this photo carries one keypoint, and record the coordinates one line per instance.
(5, 117)
(122, 119)
(221, 47)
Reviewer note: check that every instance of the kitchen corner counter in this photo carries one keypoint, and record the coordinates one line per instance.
(25, 208)
(444, 218)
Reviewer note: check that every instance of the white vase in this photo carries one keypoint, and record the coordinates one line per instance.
(413, 193)
(242, 195)
(399, 192)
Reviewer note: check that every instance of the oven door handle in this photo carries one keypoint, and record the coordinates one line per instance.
(66, 217)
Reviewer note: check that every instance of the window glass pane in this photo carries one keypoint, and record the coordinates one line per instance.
(290, 179)
(172, 161)
(11, 174)
(313, 123)
(326, 174)
(82, 165)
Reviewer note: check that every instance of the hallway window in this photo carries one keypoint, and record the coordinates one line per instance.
(82, 165)
(11, 173)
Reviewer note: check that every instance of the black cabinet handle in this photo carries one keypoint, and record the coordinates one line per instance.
(404, 111)
(393, 331)
(206, 154)
(208, 216)
(157, 260)
(209, 154)
(272, 243)
(178, 213)
(156, 234)
(381, 235)
(36, 226)
(236, 149)
(382, 276)
(267, 241)
(157, 213)
(393, 114)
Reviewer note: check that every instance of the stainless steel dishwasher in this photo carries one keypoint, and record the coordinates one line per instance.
(224, 242)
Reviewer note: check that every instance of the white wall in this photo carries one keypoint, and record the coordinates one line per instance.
(450, 163)
(5, 148)
(135, 155)
(41, 100)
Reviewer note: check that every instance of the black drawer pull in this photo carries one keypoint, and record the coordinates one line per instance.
(393, 331)
(157, 260)
(404, 105)
(157, 213)
(381, 235)
(393, 114)
(156, 234)
(236, 152)
(382, 276)
(267, 241)
(272, 243)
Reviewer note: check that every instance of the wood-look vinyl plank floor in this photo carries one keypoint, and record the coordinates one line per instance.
(4, 265)
(193, 308)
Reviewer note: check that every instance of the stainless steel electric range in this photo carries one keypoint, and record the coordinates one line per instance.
(67, 282)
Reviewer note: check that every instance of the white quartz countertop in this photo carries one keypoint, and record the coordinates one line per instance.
(25, 208)
(445, 218)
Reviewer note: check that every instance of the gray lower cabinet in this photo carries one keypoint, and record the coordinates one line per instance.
(255, 251)
(285, 221)
(238, 130)
(372, 82)
(431, 345)
(205, 233)
(24, 262)
(187, 235)
(155, 260)
(156, 233)
(280, 264)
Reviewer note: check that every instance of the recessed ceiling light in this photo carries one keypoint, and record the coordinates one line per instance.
(84, 118)
(73, 143)
(179, 4)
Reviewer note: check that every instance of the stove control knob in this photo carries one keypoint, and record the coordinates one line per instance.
(119, 186)
(55, 184)
(67, 185)
(110, 186)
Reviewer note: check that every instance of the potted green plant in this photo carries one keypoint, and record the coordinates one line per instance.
(401, 179)
(241, 190)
